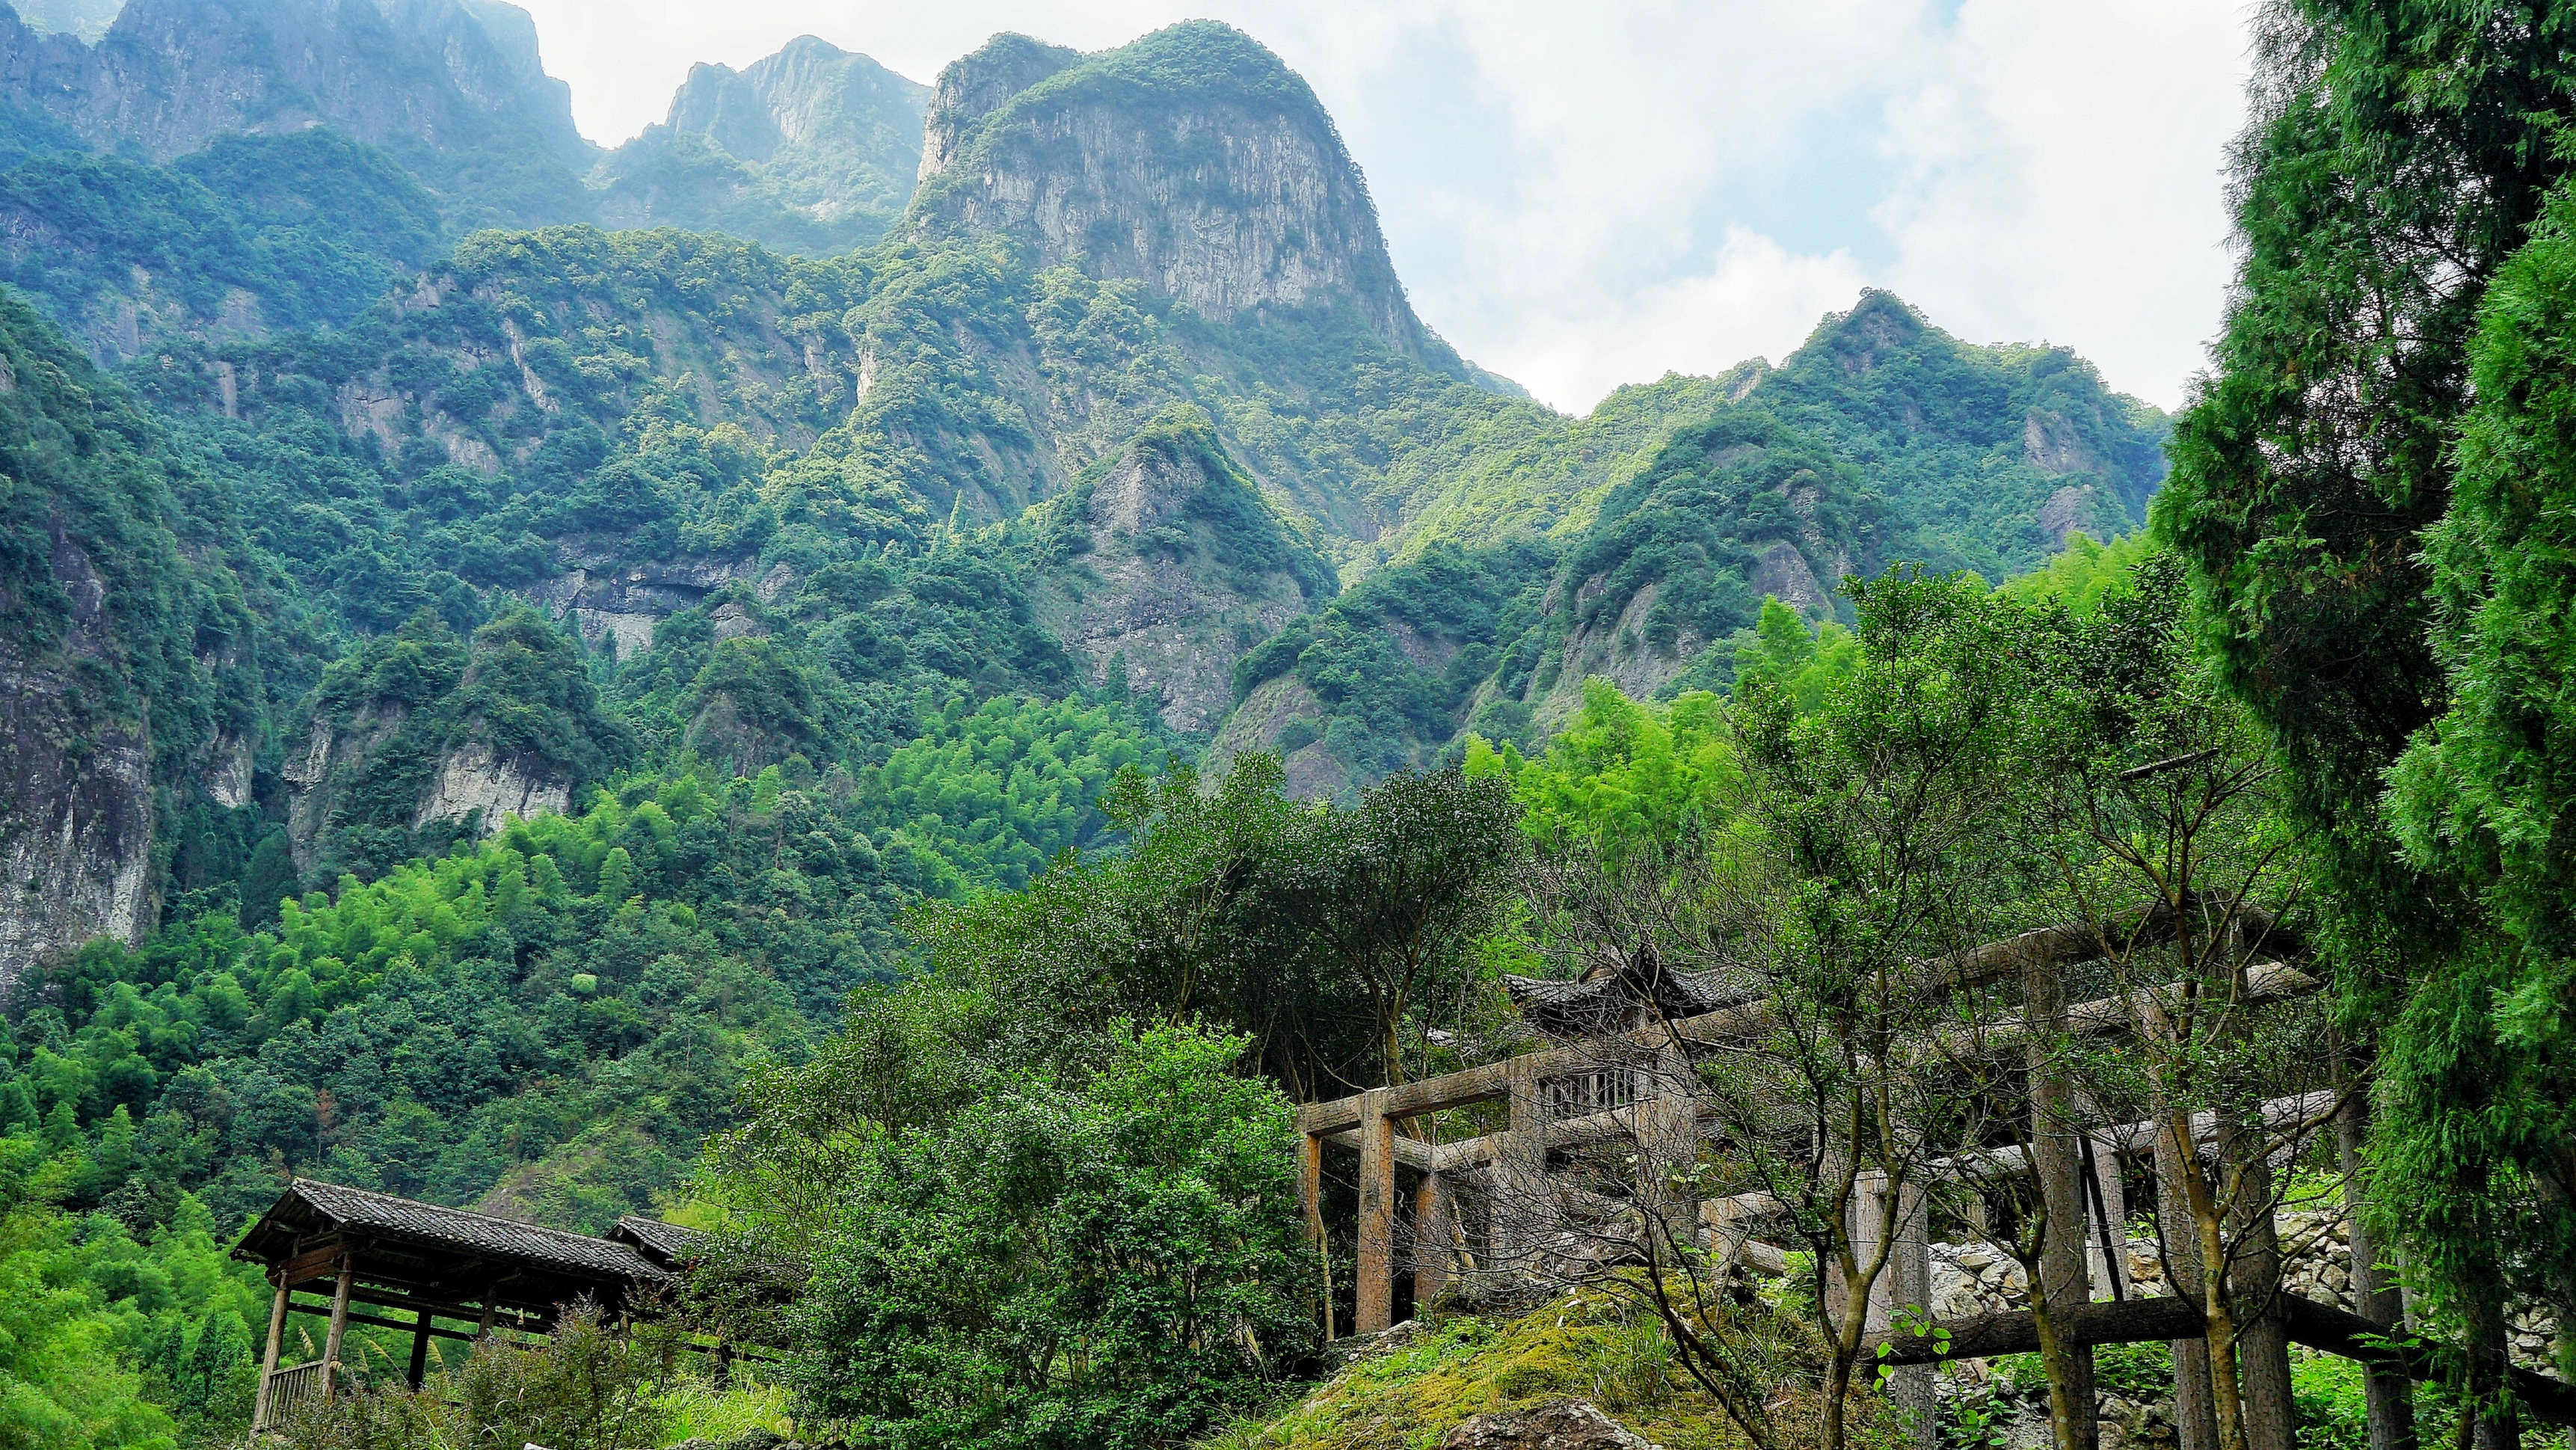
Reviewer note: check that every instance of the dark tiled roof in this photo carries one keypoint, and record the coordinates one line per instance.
(457, 1229)
(664, 1243)
(1606, 1000)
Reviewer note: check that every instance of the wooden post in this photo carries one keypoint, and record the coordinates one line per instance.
(2254, 1279)
(1432, 1249)
(2195, 1408)
(339, 1326)
(2106, 1203)
(2389, 1396)
(1867, 1214)
(1374, 1265)
(420, 1350)
(2056, 1160)
(1520, 1170)
(268, 1364)
(1310, 1193)
(1910, 1270)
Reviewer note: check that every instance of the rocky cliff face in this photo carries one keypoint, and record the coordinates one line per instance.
(422, 76)
(1192, 160)
(813, 149)
(1176, 566)
(76, 803)
(120, 652)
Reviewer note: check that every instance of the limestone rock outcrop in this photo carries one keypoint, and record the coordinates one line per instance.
(1192, 160)
(471, 779)
(1561, 1425)
(75, 817)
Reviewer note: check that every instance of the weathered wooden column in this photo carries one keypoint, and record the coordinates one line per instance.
(420, 1349)
(2254, 1281)
(1373, 1266)
(268, 1362)
(2106, 1202)
(1909, 1279)
(2195, 1409)
(1667, 1119)
(2057, 1161)
(1520, 1169)
(2389, 1395)
(1432, 1247)
(1310, 1196)
(339, 1326)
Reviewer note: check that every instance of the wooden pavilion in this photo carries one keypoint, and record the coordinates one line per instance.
(348, 1248)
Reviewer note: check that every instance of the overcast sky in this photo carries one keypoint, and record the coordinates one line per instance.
(1580, 196)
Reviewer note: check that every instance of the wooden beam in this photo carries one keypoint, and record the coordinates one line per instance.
(321, 1311)
(2266, 982)
(2318, 1326)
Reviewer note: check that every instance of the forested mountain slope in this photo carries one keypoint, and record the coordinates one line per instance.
(1881, 440)
(804, 583)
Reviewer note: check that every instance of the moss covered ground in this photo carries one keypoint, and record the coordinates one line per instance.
(1586, 1346)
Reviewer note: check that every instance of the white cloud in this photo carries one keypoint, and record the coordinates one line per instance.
(1758, 300)
(2063, 180)
(1580, 196)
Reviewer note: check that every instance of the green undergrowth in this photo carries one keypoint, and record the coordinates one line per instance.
(1586, 1347)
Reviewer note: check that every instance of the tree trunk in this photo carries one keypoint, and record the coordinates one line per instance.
(2263, 1341)
(2498, 1428)
(2374, 1292)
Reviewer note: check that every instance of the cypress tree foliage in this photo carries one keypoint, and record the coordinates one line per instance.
(2399, 155)
(2488, 791)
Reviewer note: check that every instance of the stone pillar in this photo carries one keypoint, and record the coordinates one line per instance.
(1432, 1248)
(1668, 1143)
(2254, 1282)
(339, 1327)
(2106, 1203)
(1863, 1222)
(2056, 1159)
(1373, 1266)
(2195, 1411)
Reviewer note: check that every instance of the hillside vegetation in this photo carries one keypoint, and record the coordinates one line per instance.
(910, 727)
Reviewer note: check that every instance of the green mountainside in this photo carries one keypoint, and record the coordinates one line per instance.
(504, 686)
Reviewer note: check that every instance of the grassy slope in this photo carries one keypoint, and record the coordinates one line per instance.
(1586, 1347)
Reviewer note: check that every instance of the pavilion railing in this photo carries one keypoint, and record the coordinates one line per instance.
(290, 1385)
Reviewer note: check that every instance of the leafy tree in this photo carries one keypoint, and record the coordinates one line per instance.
(1107, 1257)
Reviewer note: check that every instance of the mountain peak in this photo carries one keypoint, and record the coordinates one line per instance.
(169, 75)
(977, 84)
(1192, 159)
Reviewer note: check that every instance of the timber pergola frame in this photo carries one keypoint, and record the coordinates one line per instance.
(359, 1250)
(1366, 1122)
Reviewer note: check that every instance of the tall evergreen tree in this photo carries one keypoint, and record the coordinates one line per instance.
(2399, 154)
